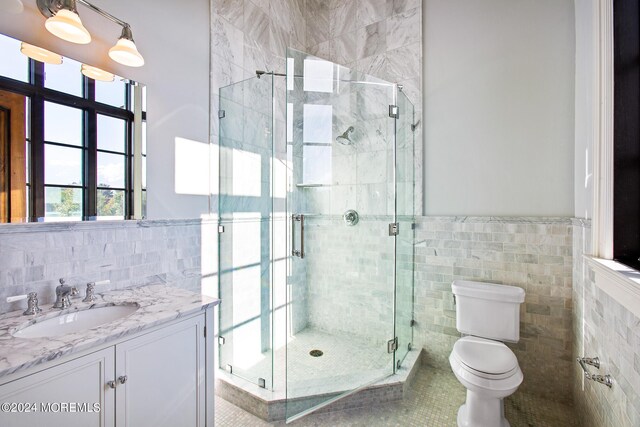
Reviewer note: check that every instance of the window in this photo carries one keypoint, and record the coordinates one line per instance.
(626, 137)
(79, 139)
(613, 202)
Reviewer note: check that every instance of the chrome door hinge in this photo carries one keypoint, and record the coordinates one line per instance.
(221, 114)
(205, 331)
(392, 345)
(393, 111)
(262, 383)
(394, 229)
(221, 340)
(221, 229)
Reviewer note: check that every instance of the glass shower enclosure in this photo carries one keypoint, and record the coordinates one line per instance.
(316, 208)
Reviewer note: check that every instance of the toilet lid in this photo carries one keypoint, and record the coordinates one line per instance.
(485, 356)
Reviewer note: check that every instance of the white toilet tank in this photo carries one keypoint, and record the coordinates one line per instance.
(488, 310)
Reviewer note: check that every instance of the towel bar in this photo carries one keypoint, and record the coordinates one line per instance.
(602, 379)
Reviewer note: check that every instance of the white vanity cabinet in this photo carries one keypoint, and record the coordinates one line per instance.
(160, 377)
(79, 380)
(155, 378)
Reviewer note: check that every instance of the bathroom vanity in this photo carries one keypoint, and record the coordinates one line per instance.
(152, 367)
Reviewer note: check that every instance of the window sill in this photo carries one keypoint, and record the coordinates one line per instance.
(619, 281)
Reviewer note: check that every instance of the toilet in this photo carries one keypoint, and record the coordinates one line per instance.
(486, 314)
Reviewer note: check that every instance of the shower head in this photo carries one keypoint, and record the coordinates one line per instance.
(345, 138)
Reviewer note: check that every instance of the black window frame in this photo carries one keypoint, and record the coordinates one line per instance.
(38, 94)
(626, 134)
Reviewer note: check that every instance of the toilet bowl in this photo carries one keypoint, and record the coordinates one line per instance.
(489, 371)
(486, 367)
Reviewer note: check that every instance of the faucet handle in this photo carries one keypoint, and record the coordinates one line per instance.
(90, 295)
(17, 298)
(32, 303)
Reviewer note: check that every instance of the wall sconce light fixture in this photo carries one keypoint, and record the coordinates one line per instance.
(96, 73)
(40, 54)
(63, 21)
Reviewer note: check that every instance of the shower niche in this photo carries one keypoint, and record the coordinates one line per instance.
(316, 242)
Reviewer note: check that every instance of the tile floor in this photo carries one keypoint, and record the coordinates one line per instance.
(433, 401)
(346, 362)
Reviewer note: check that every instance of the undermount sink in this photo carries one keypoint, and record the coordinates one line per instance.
(76, 321)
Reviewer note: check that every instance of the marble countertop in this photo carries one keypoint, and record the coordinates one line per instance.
(158, 304)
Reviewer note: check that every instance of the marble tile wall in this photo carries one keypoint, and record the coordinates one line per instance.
(250, 35)
(532, 253)
(604, 328)
(382, 38)
(129, 253)
(350, 277)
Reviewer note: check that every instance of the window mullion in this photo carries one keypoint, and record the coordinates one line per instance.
(90, 153)
(37, 202)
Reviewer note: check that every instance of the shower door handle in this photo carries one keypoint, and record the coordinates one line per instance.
(294, 251)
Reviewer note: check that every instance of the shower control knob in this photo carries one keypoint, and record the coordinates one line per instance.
(350, 217)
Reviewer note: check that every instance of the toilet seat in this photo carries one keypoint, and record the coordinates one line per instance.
(485, 358)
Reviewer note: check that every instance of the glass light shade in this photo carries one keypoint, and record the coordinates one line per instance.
(96, 73)
(66, 24)
(126, 53)
(40, 54)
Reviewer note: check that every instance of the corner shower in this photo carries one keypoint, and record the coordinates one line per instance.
(316, 232)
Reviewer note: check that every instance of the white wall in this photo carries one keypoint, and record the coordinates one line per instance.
(585, 110)
(499, 107)
(173, 37)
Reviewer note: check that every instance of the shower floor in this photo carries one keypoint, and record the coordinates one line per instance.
(346, 364)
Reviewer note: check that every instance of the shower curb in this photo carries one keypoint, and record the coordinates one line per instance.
(271, 406)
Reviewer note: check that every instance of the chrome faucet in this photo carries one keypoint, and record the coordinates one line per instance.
(63, 295)
(91, 292)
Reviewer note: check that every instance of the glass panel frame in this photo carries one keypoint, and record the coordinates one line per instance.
(245, 209)
(57, 119)
(69, 206)
(405, 241)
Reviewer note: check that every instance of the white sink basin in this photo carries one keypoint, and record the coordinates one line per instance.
(76, 321)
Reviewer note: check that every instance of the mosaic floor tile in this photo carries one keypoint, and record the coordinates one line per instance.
(433, 401)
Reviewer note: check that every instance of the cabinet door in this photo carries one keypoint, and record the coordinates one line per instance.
(64, 395)
(165, 377)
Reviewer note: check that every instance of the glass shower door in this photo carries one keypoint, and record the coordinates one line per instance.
(405, 199)
(245, 234)
(340, 204)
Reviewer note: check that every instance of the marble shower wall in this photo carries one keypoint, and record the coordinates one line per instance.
(532, 253)
(129, 253)
(351, 285)
(382, 38)
(604, 328)
(253, 35)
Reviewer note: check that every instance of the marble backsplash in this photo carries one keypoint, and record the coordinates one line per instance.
(33, 257)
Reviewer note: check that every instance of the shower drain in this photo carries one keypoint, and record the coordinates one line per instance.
(316, 353)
